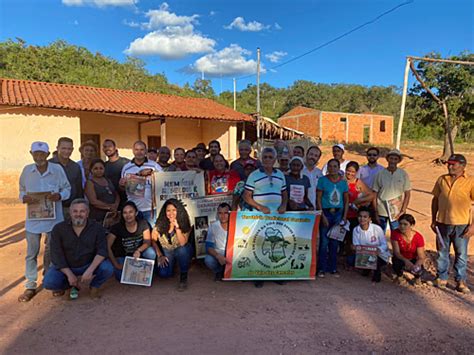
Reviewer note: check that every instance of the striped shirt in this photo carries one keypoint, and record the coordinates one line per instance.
(266, 189)
(131, 168)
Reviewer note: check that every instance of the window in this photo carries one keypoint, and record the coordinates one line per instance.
(91, 137)
(382, 126)
(343, 119)
(154, 142)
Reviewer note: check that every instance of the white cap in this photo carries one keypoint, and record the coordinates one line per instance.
(340, 146)
(297, 158)
(39, 147)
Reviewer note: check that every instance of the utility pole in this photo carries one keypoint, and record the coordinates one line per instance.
(258, 101)
(235, 95)
(404, 100)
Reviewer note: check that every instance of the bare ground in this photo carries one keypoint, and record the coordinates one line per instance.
(331, 315)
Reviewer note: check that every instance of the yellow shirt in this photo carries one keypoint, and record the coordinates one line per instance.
(454, 199)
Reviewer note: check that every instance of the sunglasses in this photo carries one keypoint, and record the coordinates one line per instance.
(372, 155)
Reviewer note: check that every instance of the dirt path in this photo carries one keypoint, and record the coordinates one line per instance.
(330, 315)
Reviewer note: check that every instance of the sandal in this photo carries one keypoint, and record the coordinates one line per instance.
(27, 295)
(59, 293)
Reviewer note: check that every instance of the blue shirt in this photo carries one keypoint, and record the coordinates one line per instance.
(333, 192)
(266, 189)
(52, 180)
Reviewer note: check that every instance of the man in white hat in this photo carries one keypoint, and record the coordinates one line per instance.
(338, 153)
(49, 179)
(393, 188)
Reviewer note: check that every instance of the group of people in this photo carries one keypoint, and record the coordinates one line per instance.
(366, 200)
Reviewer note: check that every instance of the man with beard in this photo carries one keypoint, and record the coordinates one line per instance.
(367, 172)
(78, 253)
(113, 167)
(72, 169)
(313, 154)
(164, 155)
(208, 163)
(51, 179)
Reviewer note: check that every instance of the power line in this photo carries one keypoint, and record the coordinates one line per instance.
(375, 19)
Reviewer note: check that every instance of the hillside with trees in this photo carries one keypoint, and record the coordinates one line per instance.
(61, 62)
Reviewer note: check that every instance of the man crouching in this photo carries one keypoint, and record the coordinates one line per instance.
(78, 254)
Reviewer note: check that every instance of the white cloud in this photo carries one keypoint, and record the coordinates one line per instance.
(277, 26)
(173, 36)
(131, 23)
(240, 24)
(100, 3)
(162, 18)
(212, 13)
(230, 61)
(171, 43)
(276, 56)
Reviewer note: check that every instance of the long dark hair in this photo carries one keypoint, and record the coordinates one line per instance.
(131, 204)
(182, 216)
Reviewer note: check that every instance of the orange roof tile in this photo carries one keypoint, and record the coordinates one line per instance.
(86, 98)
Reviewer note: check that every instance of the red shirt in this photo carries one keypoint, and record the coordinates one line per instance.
(408, 250)
(353, 194)
(222, 183)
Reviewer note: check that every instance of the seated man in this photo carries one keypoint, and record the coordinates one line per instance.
(216, 242)
(78, 253)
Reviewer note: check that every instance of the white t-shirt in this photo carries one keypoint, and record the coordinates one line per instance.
(143, 203)
(313, 176)
(217, 237)
(373, 236)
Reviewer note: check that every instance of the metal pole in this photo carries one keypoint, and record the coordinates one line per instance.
(404, 100)
(463, 62)
(258, 101)
(235, 95)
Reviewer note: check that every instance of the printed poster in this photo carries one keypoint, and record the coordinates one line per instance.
(41, 208)
(181, 185)
(135, 185)
(137, 271)
(203, 211)
(366, 257)
(272, 246)
(394, 206)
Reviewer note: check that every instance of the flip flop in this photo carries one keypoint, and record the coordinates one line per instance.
(27, 295)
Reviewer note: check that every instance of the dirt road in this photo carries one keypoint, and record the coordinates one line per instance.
(330, 315)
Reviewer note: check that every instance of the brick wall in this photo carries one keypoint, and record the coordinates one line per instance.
(307, 123)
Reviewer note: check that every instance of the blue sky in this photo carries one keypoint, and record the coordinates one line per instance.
(184, 39)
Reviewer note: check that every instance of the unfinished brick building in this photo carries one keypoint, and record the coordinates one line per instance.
(370, 128)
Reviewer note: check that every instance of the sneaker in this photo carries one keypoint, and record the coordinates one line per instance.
(95, 293)
(336, 274)
(462, 287)
(183, 285)
(441, 284)
(74, 293)
(321, 274)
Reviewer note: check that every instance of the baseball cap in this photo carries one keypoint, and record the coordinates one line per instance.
(394, 152)
(340, 146)
(297, 158)
(39, 147)
(457, 158)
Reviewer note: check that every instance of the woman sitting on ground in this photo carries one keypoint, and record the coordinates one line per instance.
(170, 239)
(370, 234)
(129, 237)
(408, 249)
(101, 192)
(221, 180)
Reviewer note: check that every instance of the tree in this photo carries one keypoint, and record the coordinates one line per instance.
(204, 88)
(453, 84)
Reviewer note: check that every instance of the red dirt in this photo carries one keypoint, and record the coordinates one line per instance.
(329, 315)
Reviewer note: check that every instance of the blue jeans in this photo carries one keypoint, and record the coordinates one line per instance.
(147, 216)
(452, 234)
(149, 253)
(327, 254)
(55, 280)
(212, 263)
(182, 254)
(384, 221)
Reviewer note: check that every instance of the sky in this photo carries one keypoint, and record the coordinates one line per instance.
(218, 39)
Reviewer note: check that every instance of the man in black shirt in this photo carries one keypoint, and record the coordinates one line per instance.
(72, 169)
(78, 253)
(208, 163)
(113, 167)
